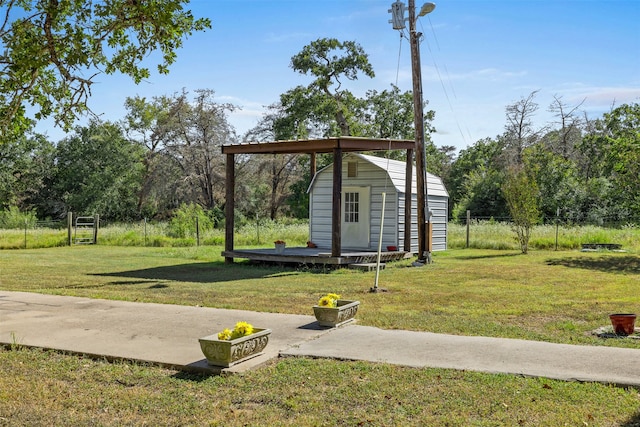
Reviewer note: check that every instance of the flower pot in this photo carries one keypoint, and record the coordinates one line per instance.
(392, 248)
(280, 248)
(335, 316)
(623, 324)
(226, 353)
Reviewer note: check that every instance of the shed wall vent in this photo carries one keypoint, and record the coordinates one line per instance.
(352, 169)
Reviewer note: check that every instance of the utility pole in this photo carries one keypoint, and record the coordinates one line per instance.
(397, 9)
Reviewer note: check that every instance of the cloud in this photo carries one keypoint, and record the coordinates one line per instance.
(606, 96)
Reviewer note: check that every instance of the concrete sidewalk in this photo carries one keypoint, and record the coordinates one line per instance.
(168, 335)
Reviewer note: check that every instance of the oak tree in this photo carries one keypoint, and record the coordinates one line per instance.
(52, 50)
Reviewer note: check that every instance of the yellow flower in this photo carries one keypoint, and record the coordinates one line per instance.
(224, 335)
(242, 329)
(329, 300)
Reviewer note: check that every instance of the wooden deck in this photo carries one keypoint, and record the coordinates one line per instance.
(313, 256)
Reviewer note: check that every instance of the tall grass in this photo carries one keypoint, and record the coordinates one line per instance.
(498, 235)
(482, 235)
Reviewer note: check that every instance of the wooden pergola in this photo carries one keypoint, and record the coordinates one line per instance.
(337, 146)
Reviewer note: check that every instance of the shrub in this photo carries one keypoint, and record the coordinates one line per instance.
(13, 218)
(183, 222)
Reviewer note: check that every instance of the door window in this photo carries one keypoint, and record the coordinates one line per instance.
(351, 207)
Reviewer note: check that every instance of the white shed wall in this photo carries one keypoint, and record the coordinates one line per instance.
(372, 174)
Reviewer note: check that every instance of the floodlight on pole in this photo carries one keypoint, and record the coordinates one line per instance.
(427, 8)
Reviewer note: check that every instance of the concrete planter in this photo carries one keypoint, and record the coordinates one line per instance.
(336, 316)
(280, 248)
(226, 353)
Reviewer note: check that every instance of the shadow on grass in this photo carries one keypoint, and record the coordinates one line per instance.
(611, 264)
(496, 255)
(634, 421)
(203, 272)
(196, 377)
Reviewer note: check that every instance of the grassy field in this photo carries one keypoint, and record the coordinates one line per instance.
(482, 235)
(48, 389)
(556, 296)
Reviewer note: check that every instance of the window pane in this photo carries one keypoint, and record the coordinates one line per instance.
(351, 207)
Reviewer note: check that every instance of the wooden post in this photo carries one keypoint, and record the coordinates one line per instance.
(197, 231)
(336, 217)
(229, 207)
(468, 225)
(313, 165)
(69, 227)
(96, 226)
(408, 201)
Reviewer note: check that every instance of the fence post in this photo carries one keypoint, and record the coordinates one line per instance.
(96, 226)
(26, 224)
(557, 224)
(197, 231)
(145, 231)
(468, 224)
(69, 227)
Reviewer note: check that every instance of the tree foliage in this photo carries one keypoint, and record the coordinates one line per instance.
(521, 194)
(25, 170)
(52, 51)
(270, 192)
(186, 133)
(328, 61)
(97, 171)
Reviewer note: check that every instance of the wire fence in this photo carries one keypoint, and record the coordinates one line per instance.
(476, 232)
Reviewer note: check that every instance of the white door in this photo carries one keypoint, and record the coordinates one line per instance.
(356, 214)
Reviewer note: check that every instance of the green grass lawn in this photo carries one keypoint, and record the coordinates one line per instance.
(545, 295)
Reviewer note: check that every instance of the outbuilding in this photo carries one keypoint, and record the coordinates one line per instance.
(365, 179)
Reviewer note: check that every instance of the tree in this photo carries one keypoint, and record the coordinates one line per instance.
(182, 136)
(558, 182)
(54, 49)
(389, 114)
(474, 181)
(98, 171)
(193, 134)
(519, 131)
(562, 141)
(616, 139)
(147, 123)
(25, 170)
(278, 171)
(521, 193)
(328, 61)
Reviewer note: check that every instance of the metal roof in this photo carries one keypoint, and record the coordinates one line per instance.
(396, 171)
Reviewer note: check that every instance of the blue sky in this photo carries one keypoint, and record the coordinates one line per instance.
(477, 58)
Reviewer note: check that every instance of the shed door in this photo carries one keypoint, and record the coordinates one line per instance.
(356, 214)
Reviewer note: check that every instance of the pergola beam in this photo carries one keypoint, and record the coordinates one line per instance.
(327, 145)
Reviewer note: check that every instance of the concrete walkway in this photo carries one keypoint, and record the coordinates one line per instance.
(168, 335)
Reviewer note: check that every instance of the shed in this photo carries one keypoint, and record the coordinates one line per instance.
(365, 178)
